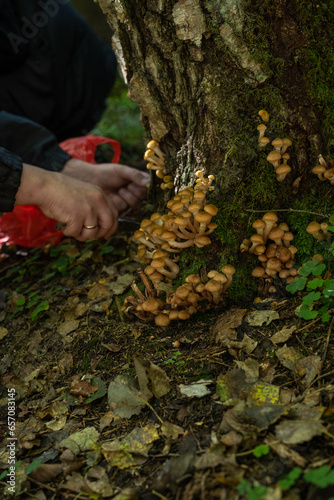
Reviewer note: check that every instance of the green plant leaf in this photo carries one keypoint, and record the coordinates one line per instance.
(43, 306)
(21, 302)
(101, 391)
(297, 284)
(321, 477)
(262, 449)
(33, 466)
(311, 297)
(290, 479)
(306, 313)
(315, 283)
(318, 269)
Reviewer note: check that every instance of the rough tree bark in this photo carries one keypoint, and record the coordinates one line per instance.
(200, 70)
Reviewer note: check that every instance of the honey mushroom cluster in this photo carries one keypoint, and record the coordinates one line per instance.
(196, 293)
(322, 171)
(278, 157)
(156, 161)
(319, 231)
(277, 256)
(160, 238)
(188, 223)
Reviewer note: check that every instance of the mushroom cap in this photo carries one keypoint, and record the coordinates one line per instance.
(284, 226)
(173, 314)
(318, 257)
(180, 221)
(160, 254)
(176, 207)
(258, 224)
(273, 157)
(150, 305)
(260, 249)
(213, 286)
(270, 217)
(283, 169)
(283, 253)
(273, 263)
(258, 272)
(211, 209)
(156, 276)
(328, 174)
(288, 236)
(182, 292)
(287, 142)
(145, 223)
(264, 115)
(277, 143)
(183, 314)
(194, 207)
(203, 217)
(201, 241)
(262, 127)
(138, 234)
(162, 320)
(152, 145)
(168, 235)
(193, 298)
(228, 269)
(193, 278)
(157, 263)
(276, 234)
(212, 274)
(199, 195)
(313, 227)
(159, 173)
(263, 141)
(257, 238)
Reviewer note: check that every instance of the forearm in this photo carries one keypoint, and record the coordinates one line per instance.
(32, 186)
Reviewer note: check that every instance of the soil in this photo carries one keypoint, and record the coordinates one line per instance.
(109, 406)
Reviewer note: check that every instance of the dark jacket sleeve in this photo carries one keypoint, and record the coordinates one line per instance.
(24, 141)
(34, 143)
(10, 178)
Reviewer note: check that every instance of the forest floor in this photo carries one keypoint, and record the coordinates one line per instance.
(234, 403)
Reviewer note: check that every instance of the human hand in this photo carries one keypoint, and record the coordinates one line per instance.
(125, 185)
(83, 209)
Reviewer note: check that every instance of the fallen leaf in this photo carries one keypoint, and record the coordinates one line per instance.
(47, 472)
(121, 284)
(98, 292)
(261, 394)
(68, 326)
(122, 453)
(3, 332)
(171, 431)
(151, 378)
(101, 390)
(226, 324)
(283, 335)
(260, 318)
(288, 356)
(196, 390)
(57, 424)
(82, 388)
(124, 397)
(285, 452)
(81, 440)
(298, 431)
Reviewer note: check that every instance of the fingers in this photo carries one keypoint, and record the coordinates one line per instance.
(127, 174)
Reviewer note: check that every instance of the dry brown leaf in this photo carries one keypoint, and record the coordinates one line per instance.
(283, 335)
(260, 318)
(298, 431)
(226, 324)
(285, 452)
(68, 326)
(83, 388)
(46, 472)
(98, 292)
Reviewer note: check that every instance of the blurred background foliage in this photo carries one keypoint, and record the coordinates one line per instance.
(121, 119)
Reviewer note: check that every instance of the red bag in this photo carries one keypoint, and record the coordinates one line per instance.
(26, 225)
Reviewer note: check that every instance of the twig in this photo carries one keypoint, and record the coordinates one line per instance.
(120, 312)
(326, 345)
(288, 210)
(155, 413)
(159, 495)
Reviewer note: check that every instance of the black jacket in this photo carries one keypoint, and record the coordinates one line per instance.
(55, 75)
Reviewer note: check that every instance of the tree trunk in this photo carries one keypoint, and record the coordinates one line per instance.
(200, 71)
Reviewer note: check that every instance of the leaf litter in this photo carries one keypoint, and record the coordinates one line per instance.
(108, 407)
